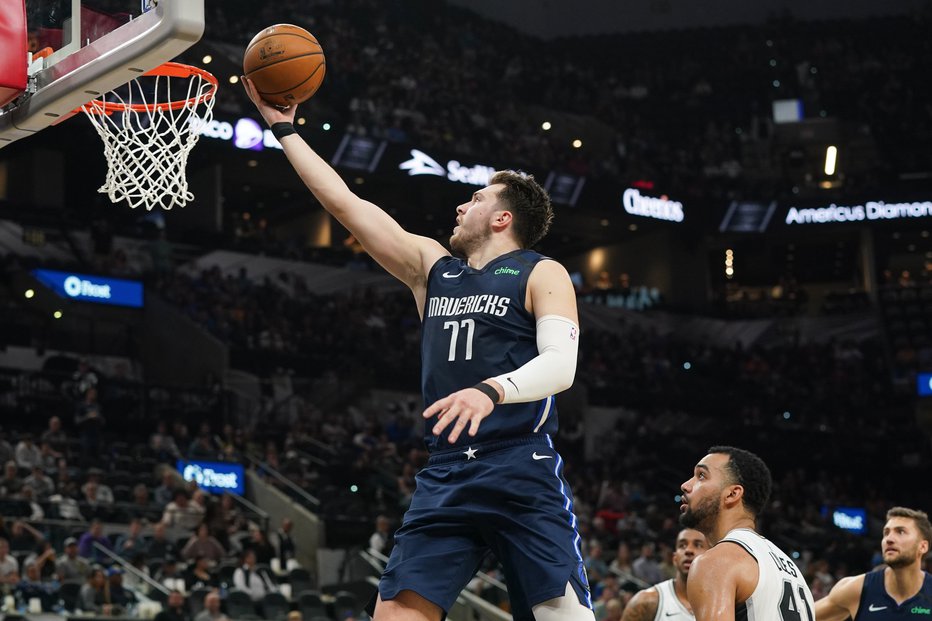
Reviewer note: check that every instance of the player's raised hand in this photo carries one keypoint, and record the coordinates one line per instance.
(269, 112)
(462, 408)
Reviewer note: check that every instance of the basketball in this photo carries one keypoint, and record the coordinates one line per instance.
(286, 64)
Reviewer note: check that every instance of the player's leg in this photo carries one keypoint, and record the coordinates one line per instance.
(534, 536)
(565, 608)
(407, 606)
(436, 553)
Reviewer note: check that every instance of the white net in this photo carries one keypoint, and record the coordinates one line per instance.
(148, 135)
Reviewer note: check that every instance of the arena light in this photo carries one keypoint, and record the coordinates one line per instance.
(29, 294)
(831, 154)
(301, 120)
(577, 143)
(207, 59)
(546, 126)
(57, 314)
(234, 79)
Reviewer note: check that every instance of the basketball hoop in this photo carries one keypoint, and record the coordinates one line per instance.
(148, 135)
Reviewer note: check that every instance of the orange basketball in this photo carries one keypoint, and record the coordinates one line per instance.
(286, 63)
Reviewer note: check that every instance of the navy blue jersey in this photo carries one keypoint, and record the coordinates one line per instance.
(476, 326)
(877, 605)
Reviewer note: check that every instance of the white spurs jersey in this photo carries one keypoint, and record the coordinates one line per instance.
(782, 593)
(669, 606)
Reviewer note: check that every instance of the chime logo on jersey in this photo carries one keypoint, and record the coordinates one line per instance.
(507, 270)
(490, 304)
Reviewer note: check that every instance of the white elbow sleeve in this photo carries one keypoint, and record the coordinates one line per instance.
(554, 368)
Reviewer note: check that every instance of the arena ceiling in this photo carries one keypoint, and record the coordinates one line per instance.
(550, 19)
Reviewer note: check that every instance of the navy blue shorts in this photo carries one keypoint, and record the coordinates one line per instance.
(507, 497)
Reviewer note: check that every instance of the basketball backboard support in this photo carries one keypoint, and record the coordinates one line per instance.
(94, 49)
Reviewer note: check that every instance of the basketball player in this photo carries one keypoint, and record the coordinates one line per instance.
(667, 600)
(743, 575)
(499, 339)
(901, 590)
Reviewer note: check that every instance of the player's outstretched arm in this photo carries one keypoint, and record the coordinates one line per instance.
(842, 601)
(406, 256)
(643, 606)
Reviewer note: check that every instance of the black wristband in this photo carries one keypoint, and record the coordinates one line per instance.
(280, 130)
(488, 391)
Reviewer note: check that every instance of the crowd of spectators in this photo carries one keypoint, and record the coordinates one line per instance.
(443, 77)
(73, 522)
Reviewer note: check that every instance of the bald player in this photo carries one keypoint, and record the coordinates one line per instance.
(902, 590)
(667, 600)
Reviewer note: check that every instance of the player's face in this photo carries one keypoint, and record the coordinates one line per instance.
(902, 543)
(702, 494)
(690, 543)
(473, 222)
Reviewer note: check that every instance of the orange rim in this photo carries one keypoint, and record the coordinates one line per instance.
(169, 70)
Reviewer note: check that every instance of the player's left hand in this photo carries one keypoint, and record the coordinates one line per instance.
(465, 407)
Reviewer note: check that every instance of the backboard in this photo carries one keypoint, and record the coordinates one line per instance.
(78, 50)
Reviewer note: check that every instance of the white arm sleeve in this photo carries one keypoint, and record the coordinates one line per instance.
(554, 368)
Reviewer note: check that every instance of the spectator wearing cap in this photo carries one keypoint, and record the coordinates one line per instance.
(86, 547)
(42, 484)
(9, 566)
(252, 580)
(27, 453)
(132, 541)
(117, 594)
(175, 610)
(202, 544)
(71, 567)
(183, 513)
(211, 611)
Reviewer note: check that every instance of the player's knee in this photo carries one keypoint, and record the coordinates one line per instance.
(565, 608)
(406, 606)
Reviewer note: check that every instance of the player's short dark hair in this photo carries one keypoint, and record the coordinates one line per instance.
(750, 472)
(528, 202)
(921, 518)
